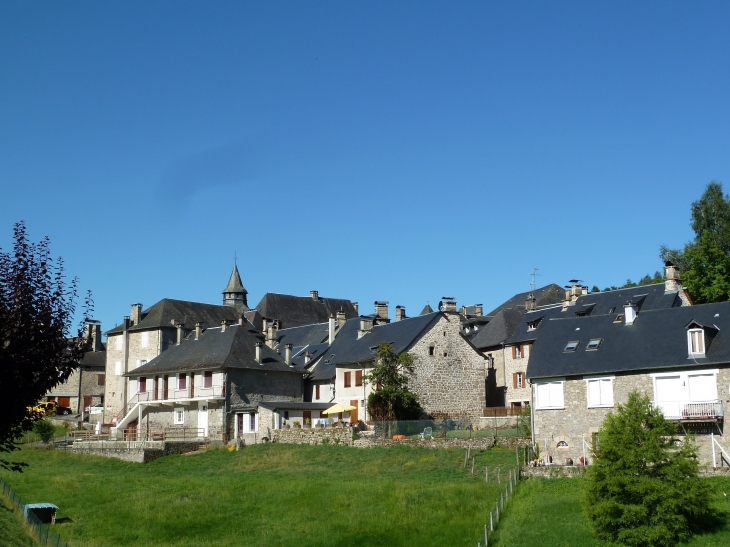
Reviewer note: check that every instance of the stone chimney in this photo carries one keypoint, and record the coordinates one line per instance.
(584, 289)
(306, 358)
(531, 302)
(672, 280)
(332, 324)
(400, 313)
(259, 345)
(136, 315)
(271, 333)
(366, 325)
(478, 310)
(630, 312)
(448, 304)
(287, 354)
(198, 329)
(178, 326)
(357, 309)
(381, 309)
(92, 334)
(566, 300)
(314, 295)
(224, 324)
(341, 319)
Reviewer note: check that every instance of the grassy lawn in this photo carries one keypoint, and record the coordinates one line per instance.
(12, 530)
(268, 495)
(548, 513)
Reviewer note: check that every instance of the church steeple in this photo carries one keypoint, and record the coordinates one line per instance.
(234, 294)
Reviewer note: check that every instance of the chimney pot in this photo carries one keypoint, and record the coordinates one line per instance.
(314, 295)
(136, 314)
(400, 313)
(630, 312)
(306, 358)
(366, 325)
(381, 309)
(224, 324)
(357, 308)
(198, 329)
(178, 326)
(478, 310)
(672, 279)
(331, 325)
(448, 306)
(341, 319)
(259, 345)
(287, 354)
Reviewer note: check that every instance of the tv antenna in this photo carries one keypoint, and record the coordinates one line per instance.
(534, 274)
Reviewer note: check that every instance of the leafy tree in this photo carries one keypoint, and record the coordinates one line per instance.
(392, 400)
(44, 429)
(643, 489)
(36, 353)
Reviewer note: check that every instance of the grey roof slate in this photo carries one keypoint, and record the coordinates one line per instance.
(656, 340)
(234, 348)
(426, 309)
(234, 283)
(302, 336)
(163, 312)
(295, 311)
(299, 353)
(347, 348)
(544, 296)
(499, 329)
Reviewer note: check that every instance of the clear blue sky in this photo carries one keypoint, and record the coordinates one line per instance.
(364, 149)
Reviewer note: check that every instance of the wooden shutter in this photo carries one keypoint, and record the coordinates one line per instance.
(348, 380)
(358, 377)
(514, 379)
(529, 348)
(100, 379)
(316, 391)
(514, 352)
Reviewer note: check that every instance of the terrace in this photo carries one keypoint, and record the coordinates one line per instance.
(691, 411)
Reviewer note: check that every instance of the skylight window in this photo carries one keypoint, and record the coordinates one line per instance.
(619, 318)
(572, 346)
(332, 356)
(594, 343)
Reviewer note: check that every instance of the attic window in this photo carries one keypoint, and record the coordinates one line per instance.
(532, 325)
(612, 310)
(594, 343)
(373, 349)
(619, 318)
(332, 356)
(696, 342)
(572, 346)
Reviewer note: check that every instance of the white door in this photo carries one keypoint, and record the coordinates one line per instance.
(669, 391)
(203, 418)
(702, 387)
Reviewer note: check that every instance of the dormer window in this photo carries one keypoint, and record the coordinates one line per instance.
(696, 342)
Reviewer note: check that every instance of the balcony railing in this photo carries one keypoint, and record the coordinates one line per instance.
(689, 410)
(171, 395)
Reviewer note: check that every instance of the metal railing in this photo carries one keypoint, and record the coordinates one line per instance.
(183, 433)
(688, 410)
(498, 411)
(170, 395)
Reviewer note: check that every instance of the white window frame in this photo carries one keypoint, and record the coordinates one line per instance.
(145, 341)
(697, 335)
(179, 416)
(553, 405)
(119, 342)
(684, 377)
(599, 379)
(520, 380)
(118, 368)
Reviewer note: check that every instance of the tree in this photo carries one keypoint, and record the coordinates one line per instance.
(392, 400)
(643, 489)
(36, 352)
(703, 262)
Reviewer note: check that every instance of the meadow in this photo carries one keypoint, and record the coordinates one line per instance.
(548, 513)
(271, 494)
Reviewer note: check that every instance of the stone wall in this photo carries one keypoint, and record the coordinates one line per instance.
(89, 388)
(576, 421)
(500, 422)
(513, 365)
(451, 382)
(477, 443)
(138, 452)
(325, 435)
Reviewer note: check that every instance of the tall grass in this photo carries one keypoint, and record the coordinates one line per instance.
(268, 495)
(12, 530)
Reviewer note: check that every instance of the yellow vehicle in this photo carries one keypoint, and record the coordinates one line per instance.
(49, 408)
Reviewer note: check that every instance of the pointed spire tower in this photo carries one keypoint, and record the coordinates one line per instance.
(234, 294)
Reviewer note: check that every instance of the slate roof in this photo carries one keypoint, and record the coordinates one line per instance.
(347, 348)
(549, 294)
(656, 340)
(94, 359)
(426, 309)
(161, 314)
(522, 333)
(315, 351)
(234, 348)
(295, 311)
(234, 283)
(302, 336)
(499, 329)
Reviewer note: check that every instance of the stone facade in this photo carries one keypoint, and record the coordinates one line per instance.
(517, 389)
(477, 443)
(450, 373)
(576, 421)
(138, 451)
(326, 435)
(92, 389)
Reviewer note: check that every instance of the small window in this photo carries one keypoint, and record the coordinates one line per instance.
(619, 318)
(119, 342)
(286, 414)
(696, 341)
(520, 380)
(142, 384)
(358, 377)
(182, 381)
(348, 379)
(332, 356)
(594, 343)
(600, 392)
(431, 350)
(179, 416)
(572, 346)
(145, 339)
(208, 379)
(549, 395)
(373, 349)
(101, 379)
(562, 444)
(118, 368)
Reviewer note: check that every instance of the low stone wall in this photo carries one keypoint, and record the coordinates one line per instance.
(500, 422)
(326, 435)
(134, 451)
(554, 471)
(477, 443)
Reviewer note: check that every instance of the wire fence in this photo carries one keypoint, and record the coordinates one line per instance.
(42, 533)
(451, 429)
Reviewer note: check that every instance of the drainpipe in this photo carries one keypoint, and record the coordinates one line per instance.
(125, 359)
(532, 413)
(504, 373)
(78, 397)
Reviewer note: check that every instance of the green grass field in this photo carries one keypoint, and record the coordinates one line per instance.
(548, 513)
(12, 531)
(270, 495)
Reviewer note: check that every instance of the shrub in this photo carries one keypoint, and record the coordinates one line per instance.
(643, 489)
(44, 429)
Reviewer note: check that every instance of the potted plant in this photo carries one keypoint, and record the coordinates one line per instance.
(307, 423)
(285, 426)
(297, 424)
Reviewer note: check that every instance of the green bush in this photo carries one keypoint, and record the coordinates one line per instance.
(643, 489)
(44, 429)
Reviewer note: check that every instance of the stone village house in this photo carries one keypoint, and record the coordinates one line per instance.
(449, 372)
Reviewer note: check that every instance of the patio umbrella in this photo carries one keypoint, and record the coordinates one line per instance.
(339, 407)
